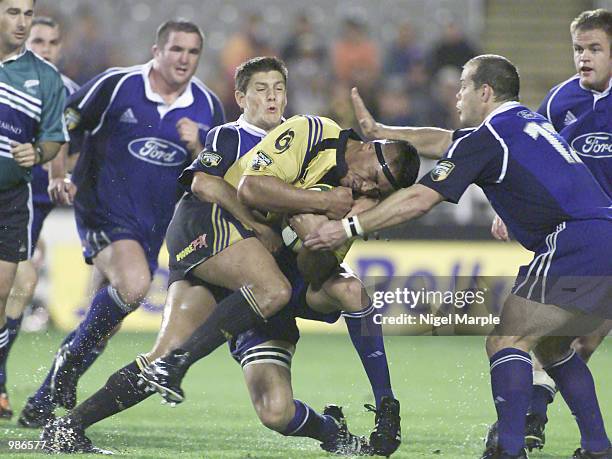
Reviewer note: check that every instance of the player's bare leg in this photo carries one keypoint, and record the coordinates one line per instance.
(186, 307)
(549, 330)
(271, 392)
(260, 290)
(7, 277)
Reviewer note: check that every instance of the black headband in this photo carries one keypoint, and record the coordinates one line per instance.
(385, 166)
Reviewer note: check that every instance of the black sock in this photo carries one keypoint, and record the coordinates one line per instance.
(235, 314)
(122, 391)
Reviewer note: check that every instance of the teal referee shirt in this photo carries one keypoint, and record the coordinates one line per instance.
(32, 98)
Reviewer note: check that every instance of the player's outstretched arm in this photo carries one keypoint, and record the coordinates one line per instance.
(400, 207)
(210, 188)
(271, 194)
(430, 142)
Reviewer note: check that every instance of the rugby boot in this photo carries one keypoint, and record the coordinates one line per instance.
(497, 454)
(584, 454)
(492, 438)
(64, 379)
(61, 436)
(6, 412)
(534, 432)
(387, 434)
(344, 443)
(165, 374)
(35, 416)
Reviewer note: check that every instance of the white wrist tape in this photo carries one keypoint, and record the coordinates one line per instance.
(352, 227)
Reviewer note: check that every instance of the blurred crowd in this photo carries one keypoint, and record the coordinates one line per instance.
(402, 80)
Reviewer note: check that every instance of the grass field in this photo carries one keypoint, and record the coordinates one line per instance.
(442, 383)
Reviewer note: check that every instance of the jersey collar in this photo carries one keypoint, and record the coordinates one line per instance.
(502, 108)
(182, 101)
(250, 128)
(596, 94)
(15, 57)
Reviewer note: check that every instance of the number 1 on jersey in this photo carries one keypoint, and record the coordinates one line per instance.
(546, 130)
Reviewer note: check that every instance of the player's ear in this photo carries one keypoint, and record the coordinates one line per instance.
(486, 92)
(240, 96)
(154, 49)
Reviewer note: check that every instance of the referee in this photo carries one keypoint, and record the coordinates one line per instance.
(32, 130)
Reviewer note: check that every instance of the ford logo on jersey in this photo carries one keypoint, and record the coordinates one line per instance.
(594, 144)
(157, 151)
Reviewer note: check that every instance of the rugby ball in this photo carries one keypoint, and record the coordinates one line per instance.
(290, 237)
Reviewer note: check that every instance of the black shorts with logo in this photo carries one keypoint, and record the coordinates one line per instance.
(15, 223)
(198, 231)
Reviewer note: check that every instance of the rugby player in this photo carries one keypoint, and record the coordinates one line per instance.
(265, 352)
(580, 109)
(48, 188)
(145, 124)
(32, 131)
(555, 210)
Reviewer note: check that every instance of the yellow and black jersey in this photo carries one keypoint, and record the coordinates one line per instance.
(303, 151)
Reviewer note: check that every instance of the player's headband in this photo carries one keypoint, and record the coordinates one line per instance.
(385, 166)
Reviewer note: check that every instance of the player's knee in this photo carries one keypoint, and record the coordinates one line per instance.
(26, 280)
(133, 289)
(496, 343)
(275, 412)
(352, 296)
(586, 346)
(274, 297)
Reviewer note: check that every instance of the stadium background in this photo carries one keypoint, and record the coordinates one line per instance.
(412, 80)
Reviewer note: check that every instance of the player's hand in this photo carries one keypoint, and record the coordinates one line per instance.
(369, 126)
(61, 191)
(270, 239)
(328, 236)
(189, 132)
(23, 153)
(339, 203)
(499, 229)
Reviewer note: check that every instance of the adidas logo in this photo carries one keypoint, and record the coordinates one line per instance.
(569, 118)
(128, 117)
(499, 399)
(376, 354)
(22, 248)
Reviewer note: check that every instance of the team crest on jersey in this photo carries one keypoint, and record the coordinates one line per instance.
(594, 144)
(442, 170)
(261, 161)
(527, 114)
(72, 118)
(284, 141)
(157, 151)
(209, 159)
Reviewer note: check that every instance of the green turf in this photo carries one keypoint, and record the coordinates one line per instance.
(442, 382)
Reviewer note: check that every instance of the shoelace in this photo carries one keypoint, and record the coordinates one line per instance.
(387, 424)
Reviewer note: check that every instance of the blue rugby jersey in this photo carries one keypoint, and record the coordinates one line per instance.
(532, 178)
(128, 168)
(224, 146)
(584, 118)
(40, 176)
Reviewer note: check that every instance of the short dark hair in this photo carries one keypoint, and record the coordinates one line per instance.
(45, 21)
(593, 19)
(499, 73)
(403, 160)
(258, 64)
(176, 25)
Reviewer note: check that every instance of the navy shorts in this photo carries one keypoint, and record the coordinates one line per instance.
(16, 223)
(247, 348)
(41, 211)
(572, 269)
(95, 238)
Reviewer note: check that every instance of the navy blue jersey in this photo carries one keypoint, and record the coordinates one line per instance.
(584, 118)
(126, 173)
(40, 176)
(223, 147)
(531, 176)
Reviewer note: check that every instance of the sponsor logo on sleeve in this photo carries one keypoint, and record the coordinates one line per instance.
(594, 145)
(158, 151)
(442, 170)
(30, 83)
(261, 161)
(209, 158)
(72, 118)
(528, 114)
